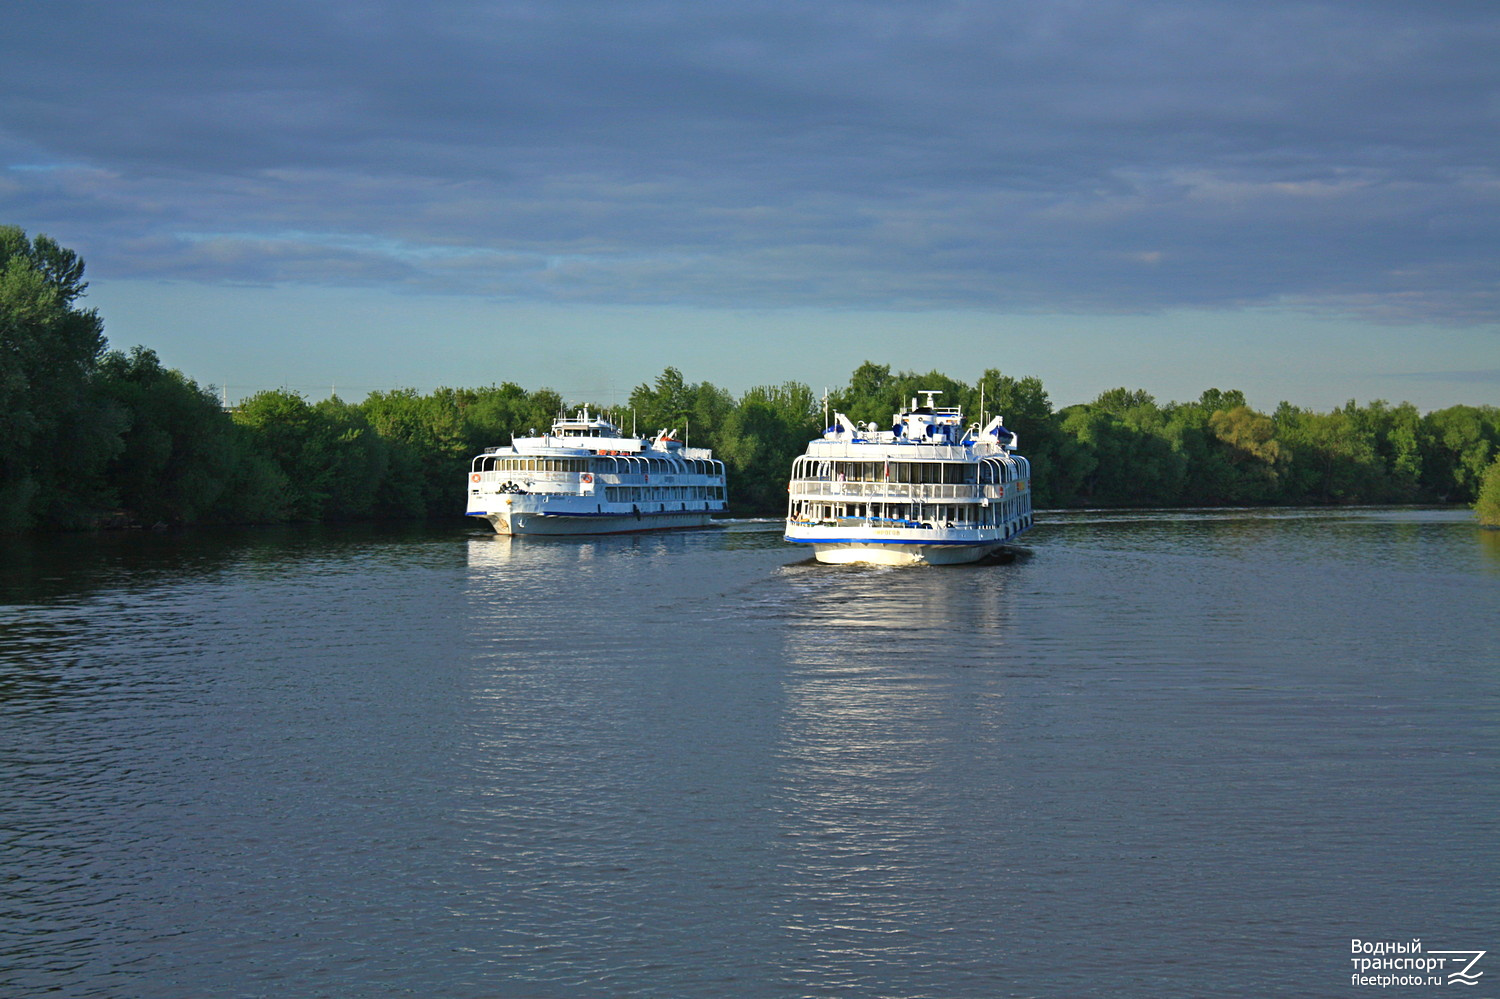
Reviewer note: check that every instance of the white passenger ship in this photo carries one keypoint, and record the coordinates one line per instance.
(927, 490)
(586, 477)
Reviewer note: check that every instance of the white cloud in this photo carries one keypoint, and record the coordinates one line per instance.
(909, 155)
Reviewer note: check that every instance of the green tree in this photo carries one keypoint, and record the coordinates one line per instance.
(1132, 462)
(1129, 466)
(1487, 504)
(1027, 412)
(428, 449)
(1216, 400)
(55, 437)
(290, 432)
(762, 435)
(1250, 451)
(698, 411)
(1457, 445)
(332, 463)
(358, 459)
(1209, 477)
(1397, 431)
(871, 396)
(493, 416)
(180, 455)
(1134, 405)
(664, 405)
(1333, 455)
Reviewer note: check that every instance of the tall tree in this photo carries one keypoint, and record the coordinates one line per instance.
(54, 437)
(183, 459)
(1458, 444)
(765, 432)
(871, 395)
(428, 448)
(671, 403)
(1487, 504)
(1027, 412)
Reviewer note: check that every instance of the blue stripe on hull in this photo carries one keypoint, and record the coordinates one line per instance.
(913, 543)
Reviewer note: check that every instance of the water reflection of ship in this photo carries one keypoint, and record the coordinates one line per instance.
(883, 722)
(507, 551)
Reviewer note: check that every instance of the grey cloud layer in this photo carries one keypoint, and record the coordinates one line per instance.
(1063, 156)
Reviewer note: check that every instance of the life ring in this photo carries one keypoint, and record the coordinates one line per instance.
(474, 477)
(587, 478)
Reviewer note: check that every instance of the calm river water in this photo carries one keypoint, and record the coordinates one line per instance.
(1160, 754)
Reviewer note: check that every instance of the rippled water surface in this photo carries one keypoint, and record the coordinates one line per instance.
(1157, 754)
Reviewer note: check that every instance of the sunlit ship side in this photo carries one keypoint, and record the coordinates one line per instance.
(928, 489)
(586, 477)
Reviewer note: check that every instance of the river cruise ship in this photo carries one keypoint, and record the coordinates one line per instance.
(586, 477)
(929, 489)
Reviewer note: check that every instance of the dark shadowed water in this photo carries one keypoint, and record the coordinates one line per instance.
(1160, 754)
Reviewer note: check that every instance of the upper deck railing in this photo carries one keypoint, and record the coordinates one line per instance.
(871, 450)
(898, 491)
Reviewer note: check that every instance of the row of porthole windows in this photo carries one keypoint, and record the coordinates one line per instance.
(653, 494)
(914, 472)
(605, 466)
(954, 515)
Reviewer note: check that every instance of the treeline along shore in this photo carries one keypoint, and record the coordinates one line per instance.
(92, 437)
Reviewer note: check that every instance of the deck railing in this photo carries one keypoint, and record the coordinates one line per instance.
(894, 491)
(895, 450)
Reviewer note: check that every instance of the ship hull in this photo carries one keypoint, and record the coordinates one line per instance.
(853, 553)
(549, 524)
(902, 547)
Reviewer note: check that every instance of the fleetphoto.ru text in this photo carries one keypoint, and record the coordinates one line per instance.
(1391, 963)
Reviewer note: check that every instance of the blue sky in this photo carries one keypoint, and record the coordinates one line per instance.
(1297, 199)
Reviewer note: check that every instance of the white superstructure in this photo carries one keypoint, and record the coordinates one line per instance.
(586, 477)
(929, 489)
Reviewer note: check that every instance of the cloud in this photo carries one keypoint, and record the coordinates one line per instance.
(1073, 156)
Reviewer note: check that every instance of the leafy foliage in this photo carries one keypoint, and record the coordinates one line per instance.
(54, 436)
(181, 460)
(1487, 505)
